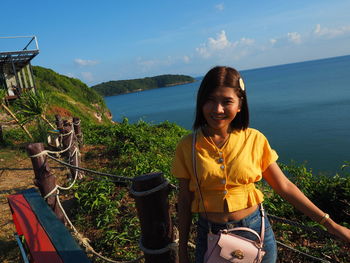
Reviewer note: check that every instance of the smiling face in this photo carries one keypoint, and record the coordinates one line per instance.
(219, 83)
(220, 109)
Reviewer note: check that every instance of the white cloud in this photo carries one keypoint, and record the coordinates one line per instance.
(85, 62)
(71, 75)
(203, 51)
(220, 7)
(318, 32)
(285, 40)
(273, 41)
(294, 37)
(186, 59)
(246, 41)
(220, 42)
(87, 76)
(221, 45)
(207, 49)
(330, 32)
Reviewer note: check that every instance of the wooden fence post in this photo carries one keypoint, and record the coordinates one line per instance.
(68, 141)
(44, 179)
(77, 130)
(66, 137)
(72, 154)
(150, 192)
(59, 122)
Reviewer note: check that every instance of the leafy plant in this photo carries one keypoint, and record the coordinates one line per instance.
(10, 113)
(32, 106)
(103, 206)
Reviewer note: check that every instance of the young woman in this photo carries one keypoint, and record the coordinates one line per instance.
(230, 158)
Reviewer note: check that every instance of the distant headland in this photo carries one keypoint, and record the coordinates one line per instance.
(119, 87)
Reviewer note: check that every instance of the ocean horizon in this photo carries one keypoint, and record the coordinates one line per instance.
(302, 108)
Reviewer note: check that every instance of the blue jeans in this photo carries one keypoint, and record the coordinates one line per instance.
(253, 221)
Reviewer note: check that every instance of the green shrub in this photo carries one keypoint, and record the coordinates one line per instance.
(13, 135)
(136, 149)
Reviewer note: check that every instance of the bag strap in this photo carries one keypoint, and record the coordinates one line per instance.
(226, 231)
(262, 231)
(195, 174)
(262, 211)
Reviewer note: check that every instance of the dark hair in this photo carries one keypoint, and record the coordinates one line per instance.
(222, 77)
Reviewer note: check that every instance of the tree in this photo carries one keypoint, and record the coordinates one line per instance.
(9, 112)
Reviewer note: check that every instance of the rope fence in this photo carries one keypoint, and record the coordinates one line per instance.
(120, 178)
(302, 253)
(55, 191)
(317, 230)
(127, 180)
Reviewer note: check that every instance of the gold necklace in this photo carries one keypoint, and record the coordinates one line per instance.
(219, 149)
(222, 144)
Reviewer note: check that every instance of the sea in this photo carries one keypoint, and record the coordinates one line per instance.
(302, 108)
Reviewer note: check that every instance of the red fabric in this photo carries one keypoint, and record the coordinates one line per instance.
(18, 228)
(40, 246)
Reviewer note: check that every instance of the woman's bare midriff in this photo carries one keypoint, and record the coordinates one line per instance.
(224, 217)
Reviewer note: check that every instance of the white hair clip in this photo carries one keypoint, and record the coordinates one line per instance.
(241, 84)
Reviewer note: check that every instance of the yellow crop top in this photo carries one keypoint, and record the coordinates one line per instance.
(245, 156)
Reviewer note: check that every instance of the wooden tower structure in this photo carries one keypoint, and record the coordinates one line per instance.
(16, 74)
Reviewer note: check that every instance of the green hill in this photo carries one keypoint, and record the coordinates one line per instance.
(118, 87)
(70, 97)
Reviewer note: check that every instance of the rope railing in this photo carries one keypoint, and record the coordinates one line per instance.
(273, 217)
(85, 241)
(91, 171)
(122, 179)
(82, 240)
(302, 253)
(149, 251)
(64, 188)
(46, 152)
(56, 190)
(313, 229)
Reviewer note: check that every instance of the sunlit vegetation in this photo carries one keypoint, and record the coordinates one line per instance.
(106, 214)
(117, 87)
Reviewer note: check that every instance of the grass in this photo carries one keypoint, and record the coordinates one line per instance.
(106, 214)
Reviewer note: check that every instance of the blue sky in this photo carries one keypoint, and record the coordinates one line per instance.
(98, 41)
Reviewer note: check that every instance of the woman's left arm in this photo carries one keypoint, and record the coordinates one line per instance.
(290, 192)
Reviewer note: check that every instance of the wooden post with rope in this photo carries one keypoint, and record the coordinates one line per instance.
(59, 122)
(70, 140)
(44, 179)
(77, 131)
(150, 192)
(66, 136)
